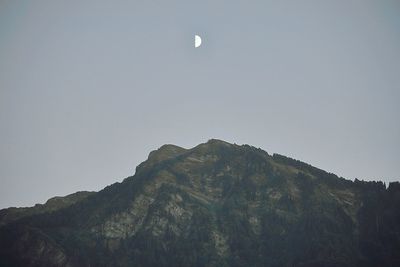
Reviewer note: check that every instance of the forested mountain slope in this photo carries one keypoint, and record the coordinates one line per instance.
(217, 204)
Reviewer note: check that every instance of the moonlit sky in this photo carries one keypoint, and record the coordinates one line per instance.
(89, 88)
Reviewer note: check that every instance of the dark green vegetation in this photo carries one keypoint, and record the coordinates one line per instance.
(217, 204)
(53, 204)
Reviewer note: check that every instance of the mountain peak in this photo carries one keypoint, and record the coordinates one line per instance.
(165, 151)
(216, 204)
(214, 141)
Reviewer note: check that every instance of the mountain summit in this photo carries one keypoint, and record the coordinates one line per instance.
(217, 204)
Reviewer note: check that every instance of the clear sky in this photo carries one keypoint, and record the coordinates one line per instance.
(89, 88)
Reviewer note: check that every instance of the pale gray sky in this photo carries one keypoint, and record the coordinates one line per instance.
(89, 88)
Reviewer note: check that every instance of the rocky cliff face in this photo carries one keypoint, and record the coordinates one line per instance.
(217, 204)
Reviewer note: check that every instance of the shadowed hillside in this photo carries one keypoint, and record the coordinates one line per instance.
(217, 204)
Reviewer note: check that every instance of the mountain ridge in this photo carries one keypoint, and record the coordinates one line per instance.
(217, 204)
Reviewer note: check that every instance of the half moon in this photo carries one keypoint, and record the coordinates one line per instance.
(197, 41)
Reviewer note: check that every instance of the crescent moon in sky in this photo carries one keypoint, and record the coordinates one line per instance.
(197, 41)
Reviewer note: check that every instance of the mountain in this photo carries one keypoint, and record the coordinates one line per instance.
(53, 204)
(217, 204)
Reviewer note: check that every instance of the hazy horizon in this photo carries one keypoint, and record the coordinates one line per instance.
(88, 89)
